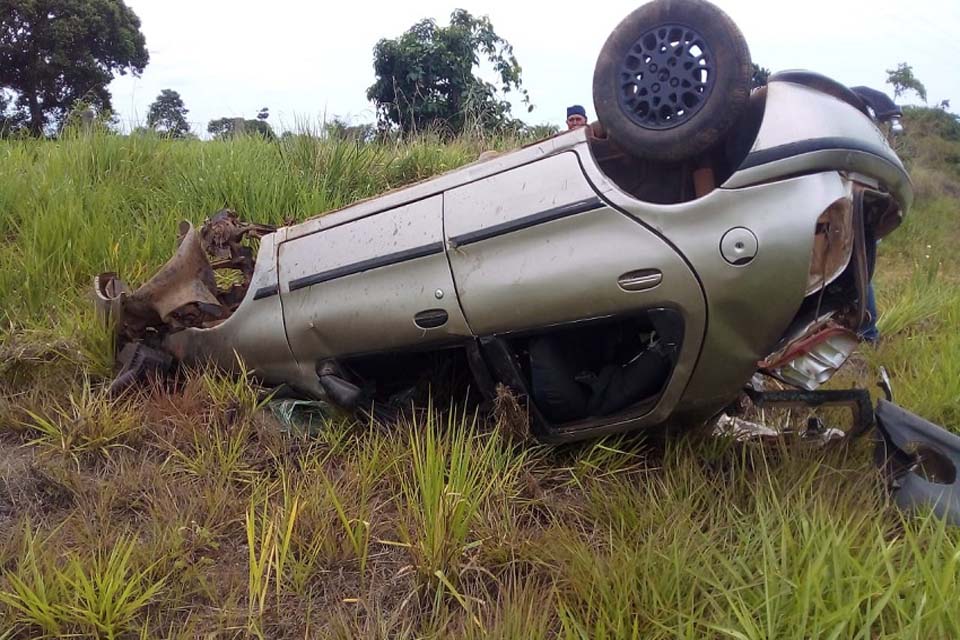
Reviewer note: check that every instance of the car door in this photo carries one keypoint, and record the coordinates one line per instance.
(535, 246)
(377, 283)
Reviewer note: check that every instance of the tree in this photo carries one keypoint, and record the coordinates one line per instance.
(168, 115)
(760, 76)
(223, 128)
(340, 129)
(55, 52)
(426, 78)
(903, 80)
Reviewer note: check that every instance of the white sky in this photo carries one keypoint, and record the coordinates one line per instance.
(305, 60)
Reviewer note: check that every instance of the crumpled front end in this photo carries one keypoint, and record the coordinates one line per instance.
(200, 288)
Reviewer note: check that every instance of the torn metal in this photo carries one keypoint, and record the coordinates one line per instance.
(736, 426)
(186, 292)
(857, 400)
(742, 430)
(200, 286)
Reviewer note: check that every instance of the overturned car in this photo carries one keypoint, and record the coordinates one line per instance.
(638, 271)
(621, 275)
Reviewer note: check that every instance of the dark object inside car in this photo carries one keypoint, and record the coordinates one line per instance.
(584, 372)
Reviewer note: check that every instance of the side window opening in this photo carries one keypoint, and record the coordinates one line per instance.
(600, 368)
(572, 374)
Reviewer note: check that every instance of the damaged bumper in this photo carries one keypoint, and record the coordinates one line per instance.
(921, 460)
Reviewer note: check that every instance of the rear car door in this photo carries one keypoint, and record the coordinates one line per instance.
(535, 246)
(561, 288)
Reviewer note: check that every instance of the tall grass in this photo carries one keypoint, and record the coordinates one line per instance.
(89, 423)
(80, 205)
(454, 472)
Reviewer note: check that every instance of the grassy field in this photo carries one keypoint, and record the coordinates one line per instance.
(185, 512)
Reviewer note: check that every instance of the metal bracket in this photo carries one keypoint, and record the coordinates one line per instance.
(858, 400)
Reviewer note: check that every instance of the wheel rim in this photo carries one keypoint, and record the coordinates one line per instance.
(666, 77)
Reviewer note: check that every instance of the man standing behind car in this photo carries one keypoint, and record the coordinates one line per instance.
(576, 117)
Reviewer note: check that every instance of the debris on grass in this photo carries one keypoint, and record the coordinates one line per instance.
(303, 417)
(743, 430)
(510, 416)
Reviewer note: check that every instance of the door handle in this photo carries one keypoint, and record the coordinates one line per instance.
(640, 280)
(431, 318)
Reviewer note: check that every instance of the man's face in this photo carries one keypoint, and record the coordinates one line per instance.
(575, 121)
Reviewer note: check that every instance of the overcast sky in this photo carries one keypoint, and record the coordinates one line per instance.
(307, 60)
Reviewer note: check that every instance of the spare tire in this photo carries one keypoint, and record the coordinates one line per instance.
(672, 79)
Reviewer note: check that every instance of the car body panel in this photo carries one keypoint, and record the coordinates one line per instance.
(747, 309)
(805, 130)
(553, 252)
(356, 288)
(438, 184)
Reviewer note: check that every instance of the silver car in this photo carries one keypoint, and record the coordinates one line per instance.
(634, 272)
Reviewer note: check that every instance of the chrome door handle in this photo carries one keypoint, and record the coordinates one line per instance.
(640, 280)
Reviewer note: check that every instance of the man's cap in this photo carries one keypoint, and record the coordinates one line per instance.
(576, 110)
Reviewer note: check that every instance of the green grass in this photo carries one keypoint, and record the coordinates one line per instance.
(98, 595)
(185, 511)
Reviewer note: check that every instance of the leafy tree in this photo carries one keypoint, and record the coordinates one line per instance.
(55, 52)
(426, 78)
(259, 127)
(223, 128)
(168, 115)
(760, 76)
(903, 80)
(341, 129)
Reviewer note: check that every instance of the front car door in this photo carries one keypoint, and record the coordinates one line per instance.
(372, 284)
